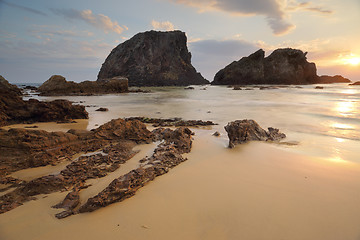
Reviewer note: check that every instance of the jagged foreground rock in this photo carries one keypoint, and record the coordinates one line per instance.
(242, 131)
(57, 85)
(283, 66)
(152, 59)
(113, 142)
(166, 156)
(115, 139)
(15, 110)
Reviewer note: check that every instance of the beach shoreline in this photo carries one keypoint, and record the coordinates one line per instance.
(218, 193)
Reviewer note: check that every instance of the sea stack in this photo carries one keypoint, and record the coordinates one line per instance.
(153, 59)
(283, 66)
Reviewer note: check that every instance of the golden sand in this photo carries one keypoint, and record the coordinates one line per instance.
(52, 126)
(254, 191)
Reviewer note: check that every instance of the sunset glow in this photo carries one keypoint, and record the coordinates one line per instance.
(351, 60)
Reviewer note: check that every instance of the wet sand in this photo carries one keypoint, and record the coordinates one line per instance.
(52, 126)
(254, 191)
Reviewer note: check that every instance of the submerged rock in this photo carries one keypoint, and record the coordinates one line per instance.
(57, 85)
(242, 131)
(153, 59)
(283, 66)
(102, 109)
(168, 122)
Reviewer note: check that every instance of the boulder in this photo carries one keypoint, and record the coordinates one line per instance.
(242, 131)
(333, 79)
(152, 59)
(283, 66)
(57, 85)
(124, 129)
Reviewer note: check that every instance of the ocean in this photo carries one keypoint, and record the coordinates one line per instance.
(318, 122)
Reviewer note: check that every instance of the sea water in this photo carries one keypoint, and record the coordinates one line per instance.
(318, 122)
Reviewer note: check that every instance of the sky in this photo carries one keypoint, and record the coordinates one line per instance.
(41, 38)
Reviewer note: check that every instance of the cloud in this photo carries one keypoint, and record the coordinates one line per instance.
(273, 10)
(307, 6)
(44, 31)
(167, 26)
(276, 12)
(47, 53)
(13, 5)
(99, 21)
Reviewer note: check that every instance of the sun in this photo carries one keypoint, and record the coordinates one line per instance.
(351, 60)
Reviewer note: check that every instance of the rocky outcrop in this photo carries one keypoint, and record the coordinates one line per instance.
(22, 148)
(14, 110)
(242, 131)
(32, 148)
(283, 66)
(152, 59)
(355, 83)
(57, 85)
(333, 79)
(166, 156)
(113, 143)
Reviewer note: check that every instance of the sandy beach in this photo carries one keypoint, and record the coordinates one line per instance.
(255, 191)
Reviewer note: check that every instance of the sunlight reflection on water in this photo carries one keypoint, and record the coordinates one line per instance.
(316, 119)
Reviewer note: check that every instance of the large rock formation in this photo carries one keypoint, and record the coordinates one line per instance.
(57, 85)
(152, 59)
(283, 66)
(333, 79)
(14, 110)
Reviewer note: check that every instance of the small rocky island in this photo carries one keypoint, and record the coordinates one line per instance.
(153, 59)
(283, 66)
(57, 85)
